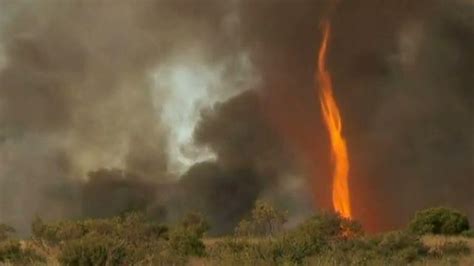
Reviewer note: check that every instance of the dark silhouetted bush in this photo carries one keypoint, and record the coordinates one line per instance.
(439, 221)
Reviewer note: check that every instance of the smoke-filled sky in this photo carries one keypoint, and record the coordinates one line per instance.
(172, 106)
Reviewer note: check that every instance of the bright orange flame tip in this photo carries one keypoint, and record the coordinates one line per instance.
(333, 122)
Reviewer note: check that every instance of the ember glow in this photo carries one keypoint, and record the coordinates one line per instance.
(333, 122)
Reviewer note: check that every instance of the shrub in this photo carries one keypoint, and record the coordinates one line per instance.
(11, 252)
(401, 246)
(92, 251)
(195, 223)
(54, 233)
(185, 242)
(232, 251)
(393, 248)
(128, 239)
(186, 238)
(132, 228)
(245, 228)
(325, 234)
(330, 226)
(265, 220)
(321, 233)
(439, 221)
(468, 233)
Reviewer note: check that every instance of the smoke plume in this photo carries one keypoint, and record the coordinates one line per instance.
(77, 95)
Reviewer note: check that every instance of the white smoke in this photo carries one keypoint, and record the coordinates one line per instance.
(190, 85)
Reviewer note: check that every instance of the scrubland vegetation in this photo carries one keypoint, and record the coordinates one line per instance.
(437, 236)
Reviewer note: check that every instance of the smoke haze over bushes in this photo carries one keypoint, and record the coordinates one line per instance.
(78, 98)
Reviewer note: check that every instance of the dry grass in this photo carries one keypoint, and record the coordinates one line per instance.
(437, 241)
(431, 240)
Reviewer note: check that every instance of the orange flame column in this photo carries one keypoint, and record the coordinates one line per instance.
(332, 119)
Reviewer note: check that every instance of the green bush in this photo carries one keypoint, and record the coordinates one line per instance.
(11, 252)
(393, 248)
(185, 242)
(319, 235)
(401, 246)
(328, 226)
(196, 224)
(439, 221)
(92, 251)
(324, 239)
(468, 233)
(131, 228)
(127, 239)
(239, 251)
(186, 239)
(54, 233)
(265, 220)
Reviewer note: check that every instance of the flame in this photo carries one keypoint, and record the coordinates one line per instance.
(333, 122)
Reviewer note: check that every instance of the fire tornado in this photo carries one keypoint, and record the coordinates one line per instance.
(333, 122)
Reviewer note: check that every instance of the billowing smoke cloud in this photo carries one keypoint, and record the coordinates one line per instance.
(111, 192)
(77, 94)
(251, 159)
(85, 87)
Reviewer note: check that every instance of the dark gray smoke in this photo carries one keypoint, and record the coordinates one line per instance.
(251, 160)
(77, 97)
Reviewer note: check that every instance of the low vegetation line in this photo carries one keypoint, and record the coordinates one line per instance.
(435, 236)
